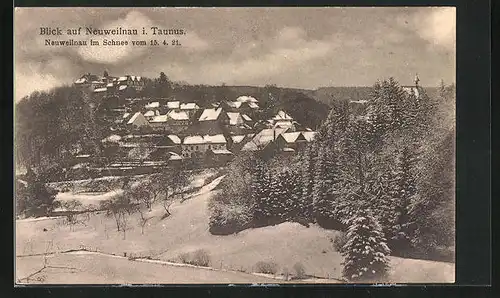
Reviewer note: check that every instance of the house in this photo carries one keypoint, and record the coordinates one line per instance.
(212, 120)
(196, 146)
(159, 123)
(262, 139)
(152, 105)
(136, 82)
(413, 90)
(190, 108)
(90, 80)
(166, 146)
(281, 117)
(219, 157)
(236, 142)
(291, 140)
(245, 98)
(138, 120)
(309, 135)
(173, 105)
(235, 118)
(151, 114)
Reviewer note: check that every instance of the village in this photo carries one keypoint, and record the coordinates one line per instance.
(148, 134)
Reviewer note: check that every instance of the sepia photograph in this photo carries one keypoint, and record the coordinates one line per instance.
(276, 145)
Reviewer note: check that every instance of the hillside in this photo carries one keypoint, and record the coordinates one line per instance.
(185, 231)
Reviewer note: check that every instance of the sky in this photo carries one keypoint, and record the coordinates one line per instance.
(290, 47)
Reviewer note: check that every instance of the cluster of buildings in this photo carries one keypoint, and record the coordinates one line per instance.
(150, 133)
(106, 84)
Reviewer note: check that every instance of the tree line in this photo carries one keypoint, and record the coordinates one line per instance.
(394, 163)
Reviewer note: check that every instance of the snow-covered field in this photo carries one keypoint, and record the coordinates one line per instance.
(184, 231)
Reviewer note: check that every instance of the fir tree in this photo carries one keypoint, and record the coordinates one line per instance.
(305, 200)
(324, 179)
(365, 251)
(260, 191)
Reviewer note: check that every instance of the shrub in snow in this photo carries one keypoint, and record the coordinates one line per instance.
(228, 218)
(300, 271)
(199, 257)
(266, 267)
(365, 251)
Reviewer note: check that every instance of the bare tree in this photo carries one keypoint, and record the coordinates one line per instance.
(72, 207)
(120, 208)
(143, 219)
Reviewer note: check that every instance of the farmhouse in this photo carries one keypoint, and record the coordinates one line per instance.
(196, 146)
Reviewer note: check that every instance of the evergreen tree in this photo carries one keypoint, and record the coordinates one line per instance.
(323, 181)
(163, 86)
(305, 200)
(365, 251)
(260, 191)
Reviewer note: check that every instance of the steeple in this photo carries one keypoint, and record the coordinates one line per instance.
(416, 80)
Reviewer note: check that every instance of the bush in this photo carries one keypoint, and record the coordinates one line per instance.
(266, 267)
(199, 257)
(339, 241)
(228, 218)
(300, 271)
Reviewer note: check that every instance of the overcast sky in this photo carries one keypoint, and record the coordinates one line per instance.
(291, 47)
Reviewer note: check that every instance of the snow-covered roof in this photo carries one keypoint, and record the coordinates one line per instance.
(174, 139)
(233, 118)
(150, 113)
(411, 89)
(126, 115)
(174, 156)
(81, 80)
(309, 135)
(237, 139)
(173, 104)
(245, 98)
(210, 114)
(281, 115)
(189, 106)
(291, 137)
(153, 105)
(159, 119)
(207, 139)
(109, 85)
(83, 156)
(178, 115)
(234, 104)
(246, 117)
(253, 105)
(284, 123)
(215, 139)
(121, 79)
(112, 138)
(263, 138)
(122, 87)
(100, 89)
(131, 120)
(222, 152)
(193, 140)
(288, 149)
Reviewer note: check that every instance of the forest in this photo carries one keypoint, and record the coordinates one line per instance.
(385, 177)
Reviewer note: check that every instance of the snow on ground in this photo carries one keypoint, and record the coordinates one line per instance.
(94, 269)
(88, 198)
(186, 230)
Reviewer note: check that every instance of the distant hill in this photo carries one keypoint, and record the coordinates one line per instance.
(328, 94)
